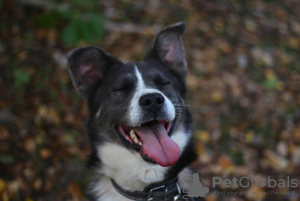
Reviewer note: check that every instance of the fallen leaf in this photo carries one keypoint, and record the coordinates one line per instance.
(203, 136)
(255, 193)
(75, 189)
(45, 153)
(225, 162)
(2, 185)
(275, 161)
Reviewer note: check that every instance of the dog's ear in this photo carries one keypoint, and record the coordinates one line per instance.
(87, 66)
(168, 48)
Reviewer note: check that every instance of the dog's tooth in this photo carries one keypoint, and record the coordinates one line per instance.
(132, 134)
(136, 140)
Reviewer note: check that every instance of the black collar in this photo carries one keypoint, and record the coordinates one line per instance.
(165, 191)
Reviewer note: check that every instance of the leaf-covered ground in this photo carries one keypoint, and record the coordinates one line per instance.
(244, 90)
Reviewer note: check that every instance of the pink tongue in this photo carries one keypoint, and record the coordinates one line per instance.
(158, 145)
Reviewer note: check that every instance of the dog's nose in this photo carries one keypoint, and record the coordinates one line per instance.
(152, 101)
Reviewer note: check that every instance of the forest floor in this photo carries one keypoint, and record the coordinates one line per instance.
(244, 91)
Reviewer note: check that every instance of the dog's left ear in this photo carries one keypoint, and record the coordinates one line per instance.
(168, 48)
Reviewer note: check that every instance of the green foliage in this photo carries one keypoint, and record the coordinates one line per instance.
(86, 5)
(87, 29)
(270, 83)
(237, 156)
(85, 24)
(46, 20)
(69, 138)
(82, 20)
(22, 77)
(7, 159)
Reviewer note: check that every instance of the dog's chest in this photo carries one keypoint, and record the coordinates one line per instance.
(127, 168)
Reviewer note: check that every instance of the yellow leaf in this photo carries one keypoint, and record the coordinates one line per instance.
(249, 137)
(210, 197)
(225, 162)
(279, 85)
(270, 75)
(203, 136)
(192, 81)
(5, 196)
(255, 193)
(48, 114)
(2, 185)
(217, 96)
(294, 42)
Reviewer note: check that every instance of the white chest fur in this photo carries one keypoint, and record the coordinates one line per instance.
(128, 169)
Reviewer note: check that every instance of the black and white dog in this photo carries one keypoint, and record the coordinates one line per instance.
(139, 127)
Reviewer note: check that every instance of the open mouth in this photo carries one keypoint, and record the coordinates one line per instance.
(152, 140)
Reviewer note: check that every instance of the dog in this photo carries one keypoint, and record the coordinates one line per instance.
(139, 126)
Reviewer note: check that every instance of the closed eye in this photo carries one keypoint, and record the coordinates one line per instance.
(124, 85)
(162, 82)
(165, 83)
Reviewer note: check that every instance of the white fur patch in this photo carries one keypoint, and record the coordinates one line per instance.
(181, 137)
(128, 168)
(135, 111)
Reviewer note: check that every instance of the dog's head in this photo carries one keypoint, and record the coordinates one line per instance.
(137, 105)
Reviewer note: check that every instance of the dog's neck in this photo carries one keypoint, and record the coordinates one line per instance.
(127, 168)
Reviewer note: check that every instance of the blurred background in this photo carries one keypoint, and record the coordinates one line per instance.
(244, 89)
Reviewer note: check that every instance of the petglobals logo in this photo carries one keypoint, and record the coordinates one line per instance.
(246, 182)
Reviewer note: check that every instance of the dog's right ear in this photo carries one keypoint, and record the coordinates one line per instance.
(87, 66)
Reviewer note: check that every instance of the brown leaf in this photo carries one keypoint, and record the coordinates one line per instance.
(225, 161)
(75, 189)
(255, 193)
(2, 185)
(29, 145)
(45, 153)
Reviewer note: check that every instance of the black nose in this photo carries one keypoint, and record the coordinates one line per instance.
(152, 102)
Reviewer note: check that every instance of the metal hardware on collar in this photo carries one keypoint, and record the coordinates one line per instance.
(177, 197)
(149, 198)
(178, 188)
(166, 191)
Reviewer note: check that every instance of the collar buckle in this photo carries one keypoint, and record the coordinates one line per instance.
(149, 198)
(176, 197)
